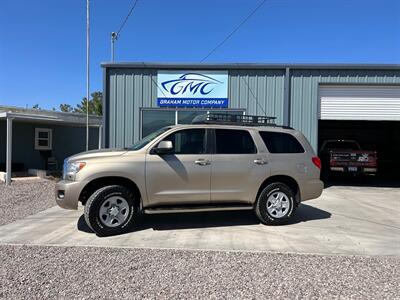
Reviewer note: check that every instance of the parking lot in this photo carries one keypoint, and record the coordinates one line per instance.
(355, 220)
(346, 244)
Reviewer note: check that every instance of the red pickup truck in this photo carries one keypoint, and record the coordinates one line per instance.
(346, 156)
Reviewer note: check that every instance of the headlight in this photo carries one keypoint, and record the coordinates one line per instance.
(71, 168)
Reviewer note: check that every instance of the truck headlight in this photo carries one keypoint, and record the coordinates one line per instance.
(71, 168)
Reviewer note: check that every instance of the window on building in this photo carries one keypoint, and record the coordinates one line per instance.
(152, 120)
(43, 139)
(187, 116)
(229, 141)
(188, 141)
(278, 142)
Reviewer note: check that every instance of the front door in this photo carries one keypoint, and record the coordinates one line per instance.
(182, 176)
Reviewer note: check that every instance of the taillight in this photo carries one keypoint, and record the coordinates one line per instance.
(316, 161)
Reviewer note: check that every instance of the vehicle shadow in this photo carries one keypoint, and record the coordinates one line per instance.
(304, 213)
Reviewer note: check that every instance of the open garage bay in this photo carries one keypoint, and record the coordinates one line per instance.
(380, 136)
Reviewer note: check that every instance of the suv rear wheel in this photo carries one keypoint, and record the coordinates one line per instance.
(110, 210)
(275, 204)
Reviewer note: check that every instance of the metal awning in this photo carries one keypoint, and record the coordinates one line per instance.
(66, 119)
(73, 120)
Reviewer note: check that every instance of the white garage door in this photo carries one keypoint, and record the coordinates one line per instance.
(360, 103)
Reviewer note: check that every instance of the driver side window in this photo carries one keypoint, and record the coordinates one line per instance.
(188, 141)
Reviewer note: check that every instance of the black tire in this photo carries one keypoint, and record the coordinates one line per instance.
(261, 204)
(96, 200)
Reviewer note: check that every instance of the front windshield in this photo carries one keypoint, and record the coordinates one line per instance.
(342, 146)
(147, 139)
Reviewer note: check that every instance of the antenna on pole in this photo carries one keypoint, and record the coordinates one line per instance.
(114, 37)
(87, 73)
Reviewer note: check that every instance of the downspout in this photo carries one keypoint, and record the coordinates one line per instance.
(286, 98)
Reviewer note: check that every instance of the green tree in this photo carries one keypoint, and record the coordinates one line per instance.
(66, 108)
(36, 106)
(95, 104)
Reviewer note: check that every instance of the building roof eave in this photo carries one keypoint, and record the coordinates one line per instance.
(218, 66)
(50, 119)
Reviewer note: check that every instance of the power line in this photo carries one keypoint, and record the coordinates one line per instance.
(236, 29)
(115, 35)
(127, 17)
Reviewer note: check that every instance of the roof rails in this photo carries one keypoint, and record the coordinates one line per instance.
(230, 119)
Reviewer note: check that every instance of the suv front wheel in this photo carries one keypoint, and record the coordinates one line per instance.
(275, 204)
(110, 210)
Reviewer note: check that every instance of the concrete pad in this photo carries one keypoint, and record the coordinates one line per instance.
(344, 220)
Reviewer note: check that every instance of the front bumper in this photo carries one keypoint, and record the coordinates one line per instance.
(67, 193)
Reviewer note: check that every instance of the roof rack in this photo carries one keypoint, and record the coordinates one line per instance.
(230, 119)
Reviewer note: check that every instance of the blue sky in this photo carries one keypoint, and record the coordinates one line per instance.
(42, 49)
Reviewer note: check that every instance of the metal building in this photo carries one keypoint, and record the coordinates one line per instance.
(315, 99)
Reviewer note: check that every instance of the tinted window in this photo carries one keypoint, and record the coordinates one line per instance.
(187, 116)
(234, 142)
(152, 120)
(189, 141)
(278, 142)
(342, 145)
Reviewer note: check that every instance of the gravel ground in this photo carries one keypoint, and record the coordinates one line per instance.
(25, 197)
(110, 273)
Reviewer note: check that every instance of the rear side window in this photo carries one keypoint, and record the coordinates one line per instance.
(278, 142)
(234, 142)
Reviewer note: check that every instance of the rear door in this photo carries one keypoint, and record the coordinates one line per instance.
(237, 167)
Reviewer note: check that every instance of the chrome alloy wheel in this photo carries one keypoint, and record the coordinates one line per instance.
(278, 204)
(114, 211)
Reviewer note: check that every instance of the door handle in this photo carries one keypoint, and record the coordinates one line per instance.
(202, 162)
(260, 161)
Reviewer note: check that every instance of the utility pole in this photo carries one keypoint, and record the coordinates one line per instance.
(87, 73)
(114, 37)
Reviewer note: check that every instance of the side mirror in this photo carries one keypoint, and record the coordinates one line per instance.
(164, 147)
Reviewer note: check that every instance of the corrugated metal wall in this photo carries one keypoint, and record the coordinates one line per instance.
(259, 91)
(304, 93)
(128, 90)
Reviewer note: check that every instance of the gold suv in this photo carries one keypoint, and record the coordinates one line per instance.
(206, 166)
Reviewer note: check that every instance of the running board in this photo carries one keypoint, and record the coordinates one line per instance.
(195, 208)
